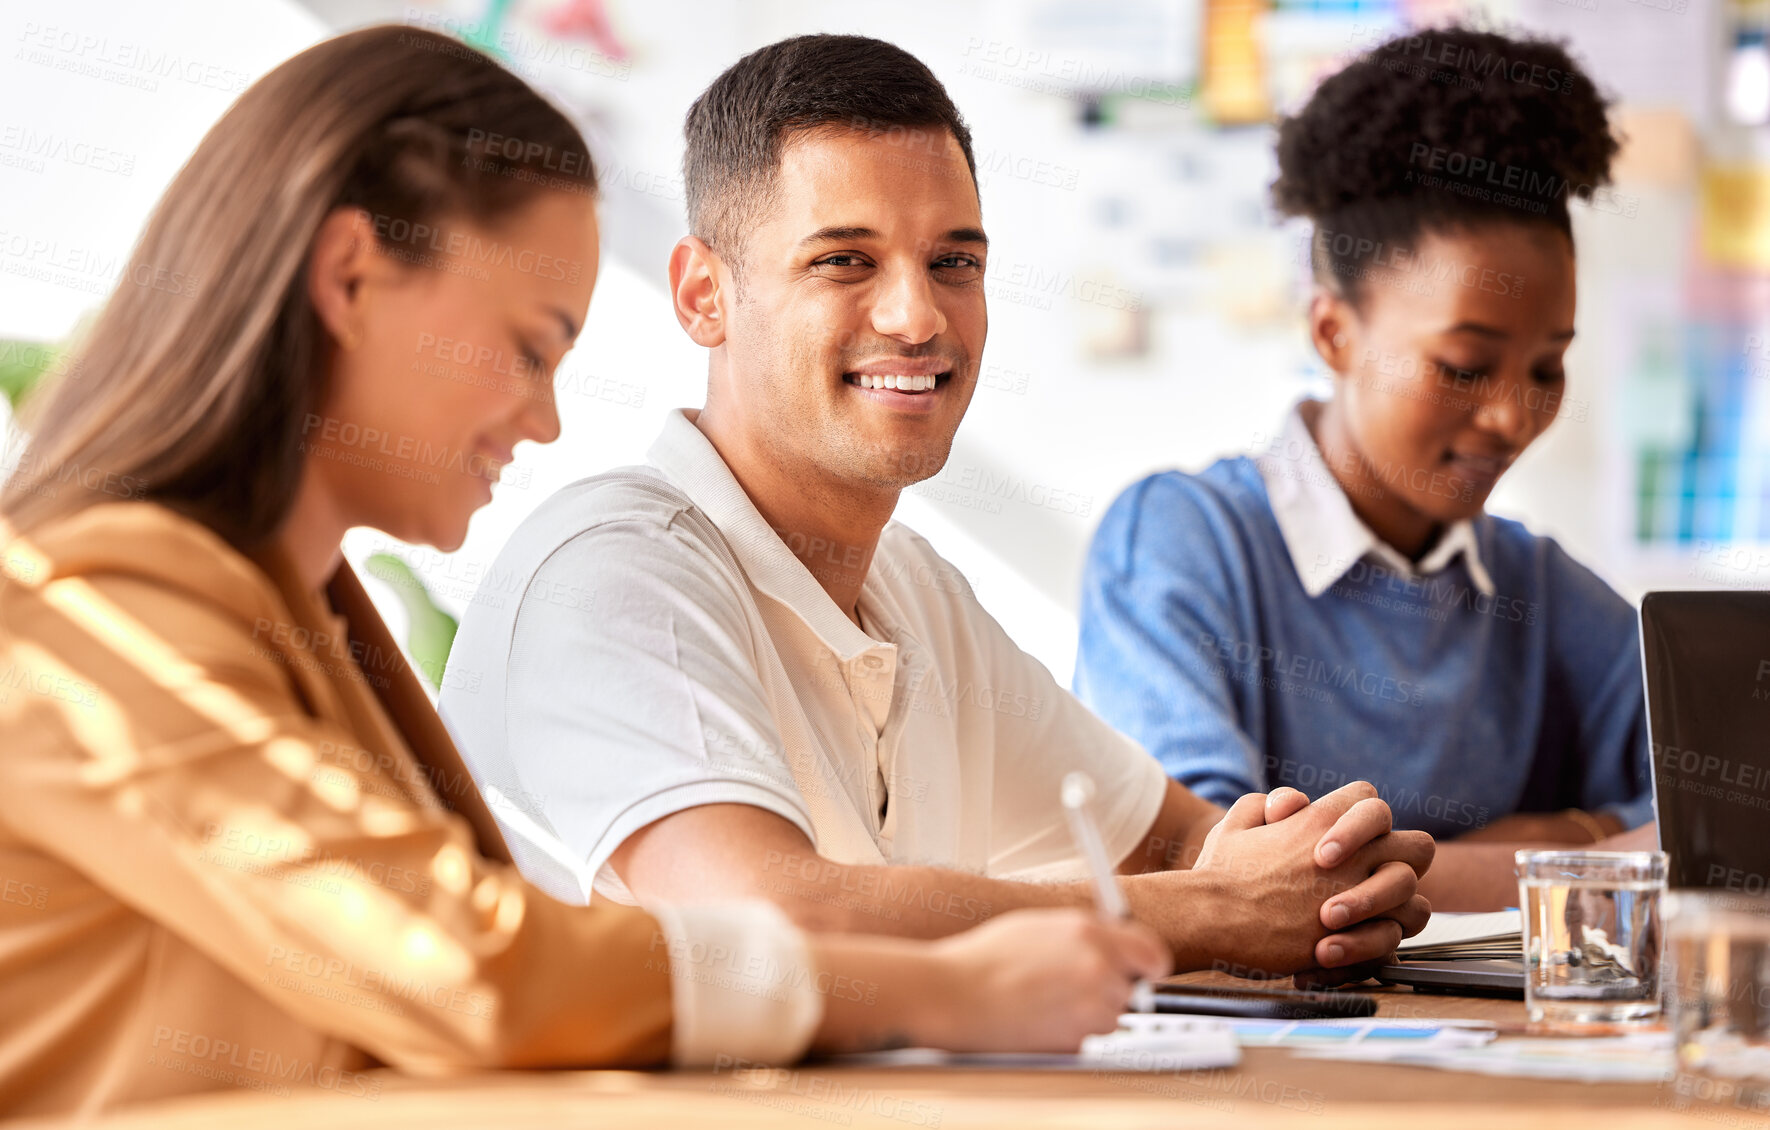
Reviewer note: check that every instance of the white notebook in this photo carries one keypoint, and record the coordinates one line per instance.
(1144, 1042)
(1450, 937)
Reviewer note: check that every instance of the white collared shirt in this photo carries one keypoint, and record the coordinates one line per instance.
(646, 643)
(1324, 535)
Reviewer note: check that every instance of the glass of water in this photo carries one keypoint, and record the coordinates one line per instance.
(1591, 936)
(1718, 994)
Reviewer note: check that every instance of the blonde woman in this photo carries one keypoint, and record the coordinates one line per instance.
(236, 845)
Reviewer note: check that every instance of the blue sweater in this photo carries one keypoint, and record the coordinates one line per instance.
(1198, 640)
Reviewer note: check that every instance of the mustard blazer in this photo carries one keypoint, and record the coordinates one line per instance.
(237, 848)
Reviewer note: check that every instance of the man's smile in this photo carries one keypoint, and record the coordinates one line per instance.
(911, 383)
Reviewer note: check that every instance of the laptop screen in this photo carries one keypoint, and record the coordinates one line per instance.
(1706, 657)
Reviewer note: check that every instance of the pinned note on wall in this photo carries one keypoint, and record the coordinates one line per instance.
(1736, 216)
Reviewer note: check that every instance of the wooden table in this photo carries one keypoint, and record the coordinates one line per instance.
(1270, 1088)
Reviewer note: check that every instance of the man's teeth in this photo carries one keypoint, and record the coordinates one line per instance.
(904, 383)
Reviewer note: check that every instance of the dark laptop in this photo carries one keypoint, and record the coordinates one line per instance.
(1706, 656)
(1486, 977)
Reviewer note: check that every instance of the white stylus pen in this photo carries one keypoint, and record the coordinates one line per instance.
(1078, 793)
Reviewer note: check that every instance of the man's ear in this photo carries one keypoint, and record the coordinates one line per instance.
(1333, 326)
(698, 290)
(341, 256)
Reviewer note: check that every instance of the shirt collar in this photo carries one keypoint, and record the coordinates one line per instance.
(1323, 534)
(684, 453)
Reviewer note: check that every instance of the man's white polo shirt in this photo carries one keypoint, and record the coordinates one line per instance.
(646, 644)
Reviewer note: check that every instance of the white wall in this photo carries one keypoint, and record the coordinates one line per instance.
(1226, 356)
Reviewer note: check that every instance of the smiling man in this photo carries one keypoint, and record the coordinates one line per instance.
(761, 685)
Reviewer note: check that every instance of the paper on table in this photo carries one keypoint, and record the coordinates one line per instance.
(1155, 1042)
(1145, 1043)
(1166, 1042)
(1644, 1058)
(1447, 936)
(1451, 929)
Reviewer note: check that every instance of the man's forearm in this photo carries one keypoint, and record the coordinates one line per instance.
(1257, 893)
(1184, 910)
(934, 902)
(905, 901)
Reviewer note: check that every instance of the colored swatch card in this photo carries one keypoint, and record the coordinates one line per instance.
(1318, 1033)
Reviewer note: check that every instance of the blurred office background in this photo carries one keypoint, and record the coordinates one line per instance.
(1146, 308)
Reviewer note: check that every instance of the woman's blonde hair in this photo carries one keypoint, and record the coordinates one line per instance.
(192, 385)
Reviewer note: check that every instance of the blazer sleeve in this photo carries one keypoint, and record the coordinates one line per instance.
(181, 772)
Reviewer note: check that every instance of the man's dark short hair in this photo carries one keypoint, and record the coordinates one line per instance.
(738, 126)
